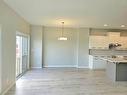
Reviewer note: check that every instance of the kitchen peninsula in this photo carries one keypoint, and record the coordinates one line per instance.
(104, 45)
(116, 68)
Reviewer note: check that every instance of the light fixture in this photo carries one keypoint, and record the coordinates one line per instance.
(122, 25)
(62, 37)
(105, 25)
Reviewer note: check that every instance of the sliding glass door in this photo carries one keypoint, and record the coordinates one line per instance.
(24, 54)
(18, 55)
(21, 54)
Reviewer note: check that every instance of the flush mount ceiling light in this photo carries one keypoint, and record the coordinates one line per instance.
(62, 37)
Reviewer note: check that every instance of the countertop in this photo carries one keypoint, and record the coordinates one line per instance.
(115, 60)
(109, 49)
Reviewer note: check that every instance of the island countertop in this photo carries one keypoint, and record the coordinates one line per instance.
(115, 60)
(116, 68)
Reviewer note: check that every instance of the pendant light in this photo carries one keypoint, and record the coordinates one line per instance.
(62, 37)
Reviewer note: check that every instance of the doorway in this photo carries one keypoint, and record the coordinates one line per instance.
(22, 55)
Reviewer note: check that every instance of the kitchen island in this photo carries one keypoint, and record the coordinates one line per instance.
(116, 69)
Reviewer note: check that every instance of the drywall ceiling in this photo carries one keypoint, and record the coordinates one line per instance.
(77, 13)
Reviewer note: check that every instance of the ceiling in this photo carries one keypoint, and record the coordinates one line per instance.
(75, 13)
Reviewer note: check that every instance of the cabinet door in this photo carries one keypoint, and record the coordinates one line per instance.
(98, 42)
(123, 41)
(90, 61)
(114, 37)
(98, 63)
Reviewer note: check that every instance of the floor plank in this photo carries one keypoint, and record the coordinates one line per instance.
(67, 81)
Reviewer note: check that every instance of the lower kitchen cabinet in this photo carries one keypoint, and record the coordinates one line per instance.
(96, 62)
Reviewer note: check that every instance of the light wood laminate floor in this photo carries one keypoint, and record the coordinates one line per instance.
(67, 81)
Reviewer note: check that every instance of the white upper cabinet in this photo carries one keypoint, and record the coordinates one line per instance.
(102, 41)
(113, 34)
(114, 37)
(98, 42)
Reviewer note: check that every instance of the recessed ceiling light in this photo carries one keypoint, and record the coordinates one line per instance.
(105, 25)
(122, 25)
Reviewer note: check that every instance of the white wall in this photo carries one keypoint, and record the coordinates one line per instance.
(59, 53)
(36, 46)
(11, 22)
(46, 49)
(83, 48)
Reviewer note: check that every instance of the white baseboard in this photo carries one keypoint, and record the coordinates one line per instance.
(7, 89)
(60, 66)
(36, 67)
(85, 67)
(69, 66)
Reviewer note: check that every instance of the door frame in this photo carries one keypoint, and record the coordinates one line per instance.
(28, 36)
